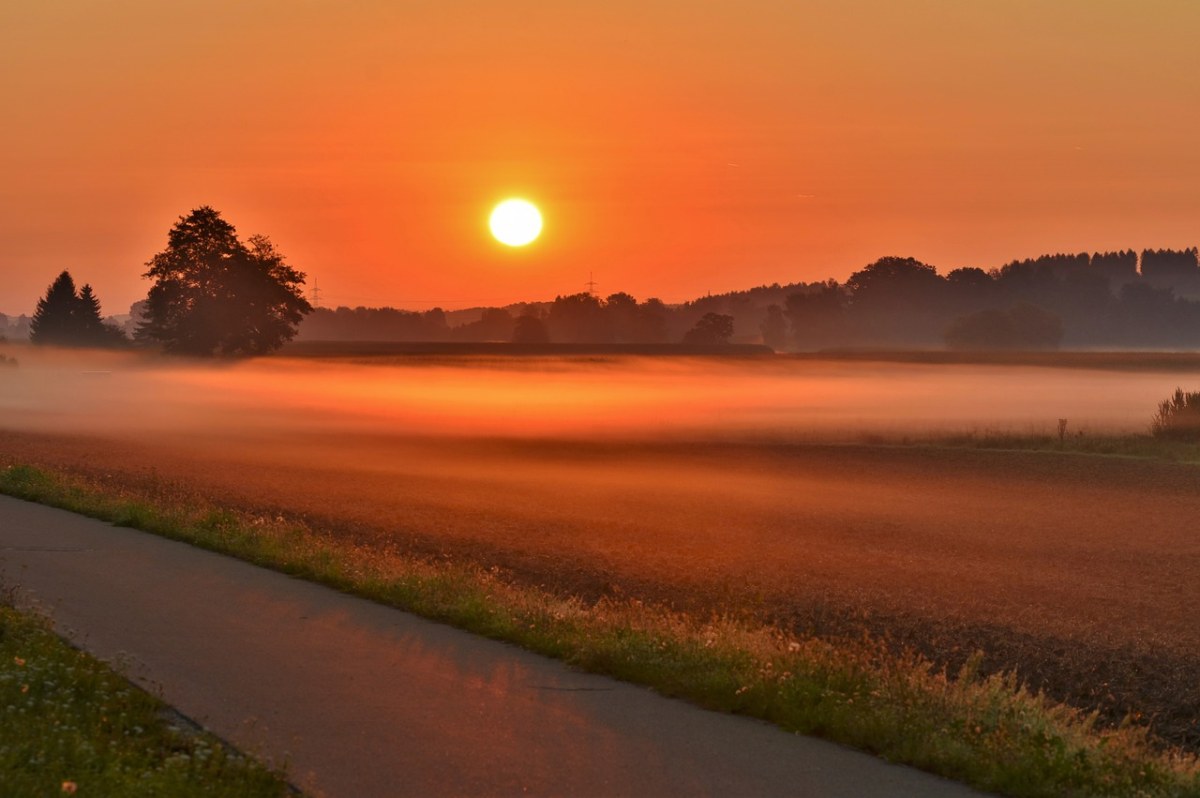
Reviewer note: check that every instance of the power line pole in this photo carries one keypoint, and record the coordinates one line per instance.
(591, 285)
(314, 295)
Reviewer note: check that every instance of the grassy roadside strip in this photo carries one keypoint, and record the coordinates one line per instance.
(71, 725)
(987, 731)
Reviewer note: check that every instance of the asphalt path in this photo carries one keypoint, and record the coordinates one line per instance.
(363, 700)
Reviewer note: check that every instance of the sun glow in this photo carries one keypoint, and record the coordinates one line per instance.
(515, 222)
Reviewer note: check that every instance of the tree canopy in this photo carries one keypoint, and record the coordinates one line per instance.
(711, 330)
(215, 295)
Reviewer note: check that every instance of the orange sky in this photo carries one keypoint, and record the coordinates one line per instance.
(675, 147)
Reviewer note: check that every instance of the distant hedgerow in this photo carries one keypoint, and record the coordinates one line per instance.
(1178, 416)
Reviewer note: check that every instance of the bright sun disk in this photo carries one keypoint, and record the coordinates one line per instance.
(515, 222)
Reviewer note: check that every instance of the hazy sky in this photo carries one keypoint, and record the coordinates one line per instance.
(675, 148)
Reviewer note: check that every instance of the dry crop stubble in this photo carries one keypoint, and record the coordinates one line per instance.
(1077, 571)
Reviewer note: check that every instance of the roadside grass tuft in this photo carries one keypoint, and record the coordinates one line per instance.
(72, 726)
(990, 732)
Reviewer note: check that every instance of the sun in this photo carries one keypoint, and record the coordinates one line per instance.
(515, 222)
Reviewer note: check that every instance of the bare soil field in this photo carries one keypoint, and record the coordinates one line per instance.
(1083, 573)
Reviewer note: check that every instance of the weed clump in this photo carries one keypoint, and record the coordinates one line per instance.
(1178, 417)
(72, 725)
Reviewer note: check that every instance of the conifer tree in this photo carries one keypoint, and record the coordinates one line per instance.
(65, 317)
(88, 310)
(56, 320)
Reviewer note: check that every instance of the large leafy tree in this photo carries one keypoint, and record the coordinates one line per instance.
(215, 295)
(711, 330)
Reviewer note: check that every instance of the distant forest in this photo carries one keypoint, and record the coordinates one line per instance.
(1107, 299)
(1103, 300)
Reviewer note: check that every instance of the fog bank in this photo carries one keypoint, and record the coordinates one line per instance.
(107, 393)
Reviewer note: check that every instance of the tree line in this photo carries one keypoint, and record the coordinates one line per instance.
(1080, 300)
(1113, 299)
(214, 294)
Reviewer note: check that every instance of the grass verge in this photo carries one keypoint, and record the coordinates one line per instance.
(988, 731)
(72, 725)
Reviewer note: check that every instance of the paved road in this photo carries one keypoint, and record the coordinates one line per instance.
(363, 700)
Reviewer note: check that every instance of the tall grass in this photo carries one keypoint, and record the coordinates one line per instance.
(988, 731)
(1178, 417)
(73, 726)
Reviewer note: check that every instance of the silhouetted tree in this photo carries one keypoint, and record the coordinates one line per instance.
(436, 322)
(652, 318)
(56, 319)
(92, 326)
(1170, 268)
(774, 328)
(892, 277)
(496, 324)
(818, 316)
(894, 299)
(712, 329)
(621, 311)
(530, 329)
(214, 294)
(1023, 326)
(65, 317)
(578, 318)
(1119, 267)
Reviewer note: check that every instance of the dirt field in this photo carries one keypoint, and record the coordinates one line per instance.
(1082, 572)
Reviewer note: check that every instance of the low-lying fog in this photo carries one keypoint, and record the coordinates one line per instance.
(398, 451)
(122, 393)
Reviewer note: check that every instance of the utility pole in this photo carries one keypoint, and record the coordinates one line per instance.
(314, 294)
(591, 285)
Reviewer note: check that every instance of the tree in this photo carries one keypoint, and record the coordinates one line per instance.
(893, 279)
(652, 322)
(530, 329)
(56, 321)
(774, 328)
(622, 312)
(65, 317)
(1023, 326)
(214, 295)
(712, 329)
(578, 318)
(818, 316)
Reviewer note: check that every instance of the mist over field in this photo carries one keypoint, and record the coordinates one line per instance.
(703, 483)
(619, 397)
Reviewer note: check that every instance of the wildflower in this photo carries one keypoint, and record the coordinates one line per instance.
(24, 688)
(18, 660)
(69, 787)
(793, 646)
